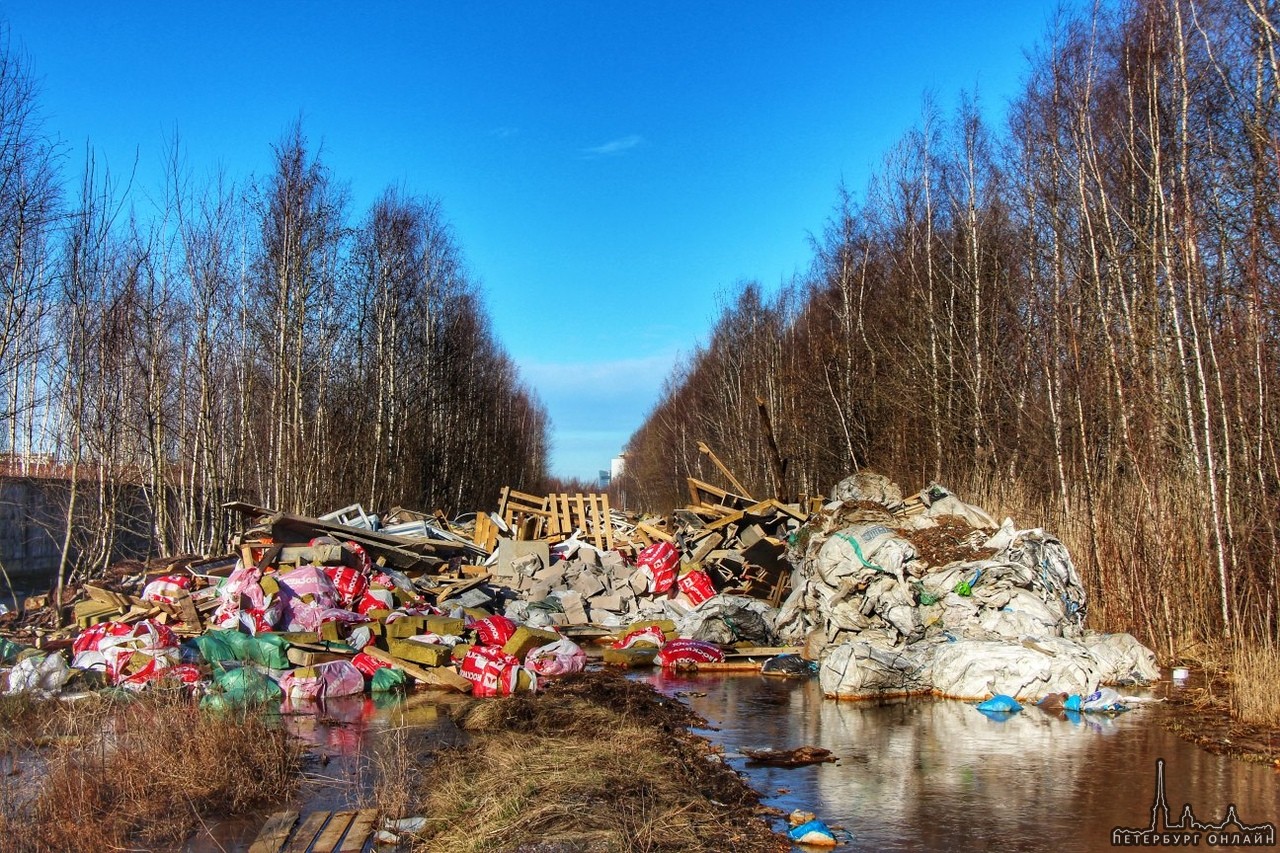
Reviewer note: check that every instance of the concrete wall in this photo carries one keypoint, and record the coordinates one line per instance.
(31, 529)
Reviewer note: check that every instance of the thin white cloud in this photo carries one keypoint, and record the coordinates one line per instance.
(504, 132)
(614, 147)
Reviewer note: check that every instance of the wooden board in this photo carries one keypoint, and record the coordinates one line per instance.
(306, 832)
(334, 830)
(274, 833)
(361, 826)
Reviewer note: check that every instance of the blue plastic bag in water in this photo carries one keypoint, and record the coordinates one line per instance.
(813, 832)
(1000, 702)
(1072, 703)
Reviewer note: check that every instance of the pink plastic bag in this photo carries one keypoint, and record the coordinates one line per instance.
(660, 561)
(308, 595)
(324, 680)
(562, 657)
(245, 603)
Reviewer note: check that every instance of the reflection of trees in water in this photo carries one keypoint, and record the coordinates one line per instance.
(939, 775)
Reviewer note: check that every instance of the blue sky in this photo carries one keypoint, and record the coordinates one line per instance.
(609, 168)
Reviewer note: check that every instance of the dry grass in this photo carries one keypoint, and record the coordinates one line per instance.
(1255, 685)
(598, 763)
(136, 773)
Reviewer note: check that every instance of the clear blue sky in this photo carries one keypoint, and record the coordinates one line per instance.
(609, 168)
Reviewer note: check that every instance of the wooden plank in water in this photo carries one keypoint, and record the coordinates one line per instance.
(361, 826)
(328, 841)
(306, 832)
(274, 833)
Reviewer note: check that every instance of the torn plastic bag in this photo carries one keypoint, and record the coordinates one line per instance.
(245, 603)
(561, 657)
(350, 584)
(323, 680)
(40, 675)
(1121, 658)
(729, 619)
(308, 596)
(696, 586)
(167, 589)
(861, 670)
(493, 672)
(649, 635)
(129, 654)
(660, 562)
(239, 686)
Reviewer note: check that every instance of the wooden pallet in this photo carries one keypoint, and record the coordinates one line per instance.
(318, 832)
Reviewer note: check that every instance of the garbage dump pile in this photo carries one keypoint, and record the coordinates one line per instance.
(892, 596)
(930, 595)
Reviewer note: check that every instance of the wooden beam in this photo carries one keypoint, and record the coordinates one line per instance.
(733, 481)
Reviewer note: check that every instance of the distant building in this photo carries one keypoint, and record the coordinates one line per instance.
(616, 466)
(603, 481)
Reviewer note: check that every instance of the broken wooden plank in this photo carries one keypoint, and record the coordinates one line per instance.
(362, 825)
(306, 832)
(329, 839)
(274, 833)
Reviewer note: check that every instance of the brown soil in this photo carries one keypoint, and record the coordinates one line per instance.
(947, 543)
(596, 764)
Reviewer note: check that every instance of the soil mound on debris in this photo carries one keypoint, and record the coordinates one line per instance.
(597, 763)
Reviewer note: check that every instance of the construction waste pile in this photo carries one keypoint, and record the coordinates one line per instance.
(891, 596)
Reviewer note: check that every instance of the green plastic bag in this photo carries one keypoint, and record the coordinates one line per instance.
(221, 646)
(388, 679)
(9, 650)
(243, 685)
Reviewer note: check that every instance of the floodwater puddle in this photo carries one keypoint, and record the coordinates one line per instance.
(918, 774)
(924, 774)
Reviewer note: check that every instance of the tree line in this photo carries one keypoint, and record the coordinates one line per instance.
(164, 351)
(1072, 318)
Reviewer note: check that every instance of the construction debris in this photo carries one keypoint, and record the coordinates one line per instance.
(892, 594)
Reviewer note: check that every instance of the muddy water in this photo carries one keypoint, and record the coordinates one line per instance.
(938, 775)
(911, 775)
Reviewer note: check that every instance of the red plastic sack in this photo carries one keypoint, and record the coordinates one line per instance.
(491, 671)
(375, 599)
(494, 631)
(349, 583)
(660, 561)
(652, 635)
(368, 665)
(696, 587)
(167, 589)
(682, 652)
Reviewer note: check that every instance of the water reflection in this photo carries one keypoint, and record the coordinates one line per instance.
(938, 775)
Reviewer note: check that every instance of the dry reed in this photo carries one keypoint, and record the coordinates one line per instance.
(142, 772)
(1255, 685)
